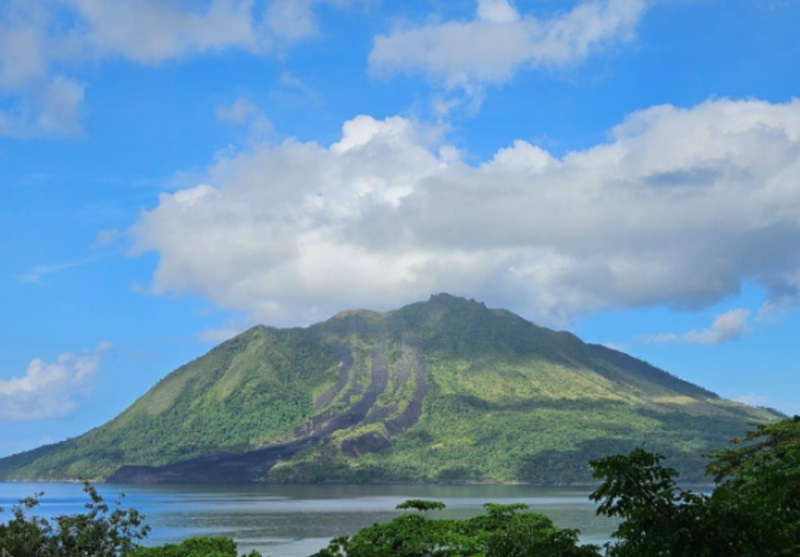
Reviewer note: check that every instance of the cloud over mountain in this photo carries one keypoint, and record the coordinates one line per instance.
(678, 207)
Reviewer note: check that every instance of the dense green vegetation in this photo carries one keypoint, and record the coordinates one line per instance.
(193, 547)
(504, 531)
(753, 511)
(244, 393)
(100, 531)
(440, 391)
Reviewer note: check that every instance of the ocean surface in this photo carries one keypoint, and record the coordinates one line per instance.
(297, 520)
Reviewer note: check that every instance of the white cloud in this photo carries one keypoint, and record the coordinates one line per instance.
(726, 327)
(243, 112)
(38, 272)
(35, 275)
(489, 49)
(59, 108)
(292, 20)
(50, 390)
(291, 83)
(173, 30)
(41, 42)
(22, 56)
(679, 207)
(497, 11)
(238, 112)
(51, 109)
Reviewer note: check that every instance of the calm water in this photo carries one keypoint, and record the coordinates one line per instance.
(295, 521)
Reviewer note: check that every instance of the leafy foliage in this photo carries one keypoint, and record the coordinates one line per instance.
(216, 546)
(100, 532)
(753, 511)
(504, 531)
(421, 505)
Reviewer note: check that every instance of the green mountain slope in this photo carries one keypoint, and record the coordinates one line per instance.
(443, 390)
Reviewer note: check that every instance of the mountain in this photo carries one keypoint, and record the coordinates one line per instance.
(446, 390)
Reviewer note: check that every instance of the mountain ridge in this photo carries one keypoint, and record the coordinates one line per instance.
(437, 391)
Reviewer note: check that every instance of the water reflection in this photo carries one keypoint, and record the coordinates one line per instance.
(297, 520)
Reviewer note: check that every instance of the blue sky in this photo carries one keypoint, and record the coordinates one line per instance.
(172, 173)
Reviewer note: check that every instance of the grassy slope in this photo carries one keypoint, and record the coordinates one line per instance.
(506, 400)
(244, 393)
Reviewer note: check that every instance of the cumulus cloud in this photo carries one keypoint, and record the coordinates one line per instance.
(499, 41)
(50, 390)
(40, 42)
(678, 207)
(726, 327)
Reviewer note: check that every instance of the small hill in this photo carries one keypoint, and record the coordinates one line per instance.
(446, 390)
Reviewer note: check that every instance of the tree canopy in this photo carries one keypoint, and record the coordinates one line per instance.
(503, 531)
(753, 510)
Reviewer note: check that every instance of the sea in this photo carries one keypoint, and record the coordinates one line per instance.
(298, 520)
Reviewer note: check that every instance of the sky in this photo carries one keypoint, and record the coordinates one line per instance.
(174, 172)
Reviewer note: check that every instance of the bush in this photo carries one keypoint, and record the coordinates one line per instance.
(504, 531)
(193, 547)
(102, 531)
(754, 509)
(99, 532)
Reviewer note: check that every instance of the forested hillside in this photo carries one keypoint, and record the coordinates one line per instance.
(438, 391)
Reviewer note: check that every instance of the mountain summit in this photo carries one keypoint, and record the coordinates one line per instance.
(438, 391)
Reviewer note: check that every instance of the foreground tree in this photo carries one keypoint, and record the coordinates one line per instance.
(504, 531)
(101, 531)
(754, 510)
(194, 547)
